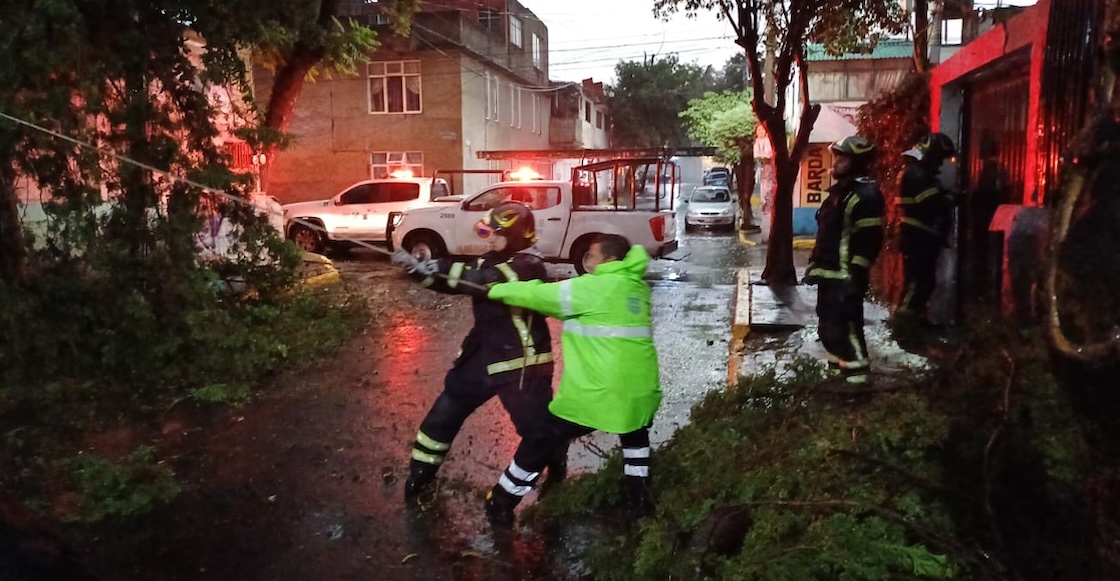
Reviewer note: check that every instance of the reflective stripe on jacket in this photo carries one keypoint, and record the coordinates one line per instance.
(925, 206)
(503, 339)
(849, 231)
(610, 378)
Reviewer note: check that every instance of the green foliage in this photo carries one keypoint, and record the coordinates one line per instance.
(973, 470)
(724, 121)
(135, 485)
(648, 97)
(842, 26)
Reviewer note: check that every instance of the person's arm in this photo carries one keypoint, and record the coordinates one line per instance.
(449, 275)
(539, 296)
(865, 215)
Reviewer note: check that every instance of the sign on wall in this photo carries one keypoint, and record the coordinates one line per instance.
(816, 174)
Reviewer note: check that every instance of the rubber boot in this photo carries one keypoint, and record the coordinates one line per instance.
(499, 506)
(638, 502)
(557, 469)
(421, 482)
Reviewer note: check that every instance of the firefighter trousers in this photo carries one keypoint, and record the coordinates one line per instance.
(525, 398)
(535, 450)
(840, 326)
(919, 271)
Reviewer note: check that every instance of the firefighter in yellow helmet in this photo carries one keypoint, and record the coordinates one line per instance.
(849, 237)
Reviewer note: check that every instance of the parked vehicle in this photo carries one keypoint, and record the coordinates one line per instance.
(722, 180)
(360, 212)
(602, 198)
(711, 206)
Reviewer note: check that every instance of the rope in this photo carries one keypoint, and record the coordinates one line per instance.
(225, 195)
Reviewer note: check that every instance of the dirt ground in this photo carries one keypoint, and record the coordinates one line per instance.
(304, 481)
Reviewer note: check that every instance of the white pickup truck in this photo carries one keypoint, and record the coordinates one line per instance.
(604, 198)
(360, 212)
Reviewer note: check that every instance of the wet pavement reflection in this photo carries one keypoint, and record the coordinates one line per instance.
(313, 474)
(692, 301)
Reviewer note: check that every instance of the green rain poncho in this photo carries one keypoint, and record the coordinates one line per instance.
(610, 377)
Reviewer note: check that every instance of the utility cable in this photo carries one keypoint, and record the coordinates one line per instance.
(203, 187)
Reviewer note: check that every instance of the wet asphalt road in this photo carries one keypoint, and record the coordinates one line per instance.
(692, 294)
(692, 302)
(305, 483)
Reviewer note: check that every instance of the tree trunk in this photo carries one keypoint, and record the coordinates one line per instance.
(921, 35)
(13, 254)
(744, 186)
(287, 84)
(779, 251)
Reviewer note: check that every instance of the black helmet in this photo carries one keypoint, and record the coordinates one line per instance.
(859, 150)
(933, 148)
(856, 147)
(512, 220)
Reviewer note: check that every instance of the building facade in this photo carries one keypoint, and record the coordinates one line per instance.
(1013, 100)
(471, 76)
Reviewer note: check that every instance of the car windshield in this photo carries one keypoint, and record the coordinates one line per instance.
(711, 196)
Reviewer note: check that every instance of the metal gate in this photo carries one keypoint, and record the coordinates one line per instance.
(994, 161)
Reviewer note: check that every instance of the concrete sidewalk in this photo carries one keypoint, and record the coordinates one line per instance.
(773, 326)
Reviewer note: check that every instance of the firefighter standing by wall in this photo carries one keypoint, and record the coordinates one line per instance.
(508, 351)
(926, 212)
(610, 380)
(849, 237)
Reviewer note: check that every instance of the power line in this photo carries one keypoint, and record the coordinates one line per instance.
(200, 186)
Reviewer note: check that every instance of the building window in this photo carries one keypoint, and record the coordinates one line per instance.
(518, 104)
(536, 110)
(383, 163)
(491, 97)
(515, 31)
(489, 18)
(379, 19)
(587, 111)
(394, 87)
(952, 31)
(598, 120)
(538, 53)
(513, 95)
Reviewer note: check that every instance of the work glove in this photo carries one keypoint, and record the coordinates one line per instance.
(402, 257)
(425, 268)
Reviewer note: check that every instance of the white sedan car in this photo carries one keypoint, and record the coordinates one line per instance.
(709, 207)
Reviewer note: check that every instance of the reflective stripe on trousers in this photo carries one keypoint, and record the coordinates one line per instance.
(429, 450)
(517, 481)
(635, 461)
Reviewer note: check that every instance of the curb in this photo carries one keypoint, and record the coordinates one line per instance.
(326, 278)
(740, 323)
(324, 271)
(804, 243)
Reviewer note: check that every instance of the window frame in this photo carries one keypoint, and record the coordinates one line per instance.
(489, 19)
(397, 69)
(516, 30)
(493, 99)
(390, 161)
(538, 52)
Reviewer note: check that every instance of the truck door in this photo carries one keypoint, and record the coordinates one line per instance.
(389, 197)
(351, 206)
(551, 216)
